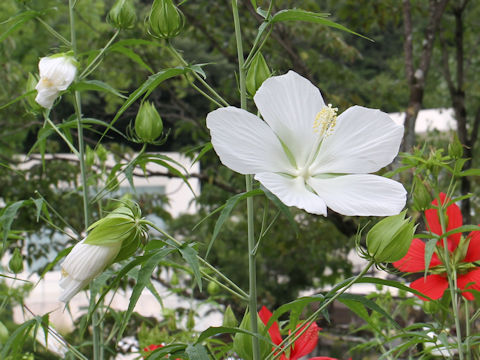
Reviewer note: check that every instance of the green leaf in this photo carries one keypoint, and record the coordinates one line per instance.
(361, 311)
(18, 98)
(130, 54)
(470, 172)
(96, 85)
(197, 352)
(302, 15)
(461, 229)
(190, 256)
(142, 281)
(369, 304)
(18, 20)
(7, 218)
(429, 249)
(208, 146)
(150, 84)
(17, 338)
(160, 353)
(39, 206)
(227, 209)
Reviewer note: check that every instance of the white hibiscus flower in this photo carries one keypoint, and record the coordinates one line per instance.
(306, 155)
(56, 75)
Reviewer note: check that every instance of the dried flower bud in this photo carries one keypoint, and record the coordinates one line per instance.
(16, 262)
(148, 123)
(122, 15)
(165, 20)
(390, 239)
(257, 73)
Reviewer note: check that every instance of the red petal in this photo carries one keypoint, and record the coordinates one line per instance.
(323, 358)
(470, 277)
(432, 286)
(414, 260)
(274, 330)
(454, 220)
(306, 343)
(473, 252)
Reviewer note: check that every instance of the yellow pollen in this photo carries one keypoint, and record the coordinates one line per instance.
(325, 120)
(46, 82)
(64, 273)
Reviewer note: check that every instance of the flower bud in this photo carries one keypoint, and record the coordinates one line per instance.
(3, 333)
(389, 240)
(122, 15)
(113, 238)
(16, 262)
(229, 319)
(213, 288)
(257, 73)
(190, 320)
(421, 196)
(148, 123)
(56, 74)
(242, 343)
(455, 149)
(165, 19)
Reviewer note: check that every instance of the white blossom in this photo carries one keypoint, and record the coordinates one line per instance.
(307, 155)
(83, 264)
(56, 75)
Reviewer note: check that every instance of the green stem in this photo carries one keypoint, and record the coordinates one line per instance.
(296, 334)
(180, 58)
(451, 277)
(57, 130)
(93, 64)
(252, 266)
(53, 31)
(96, 330)
(467, 330)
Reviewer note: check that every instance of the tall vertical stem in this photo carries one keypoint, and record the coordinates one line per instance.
(97, 339)
(252, 270)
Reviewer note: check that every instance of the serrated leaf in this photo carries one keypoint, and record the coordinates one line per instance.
(97, 85)
(142, 280)
(227, 209)
(197, 352)
(190, 256)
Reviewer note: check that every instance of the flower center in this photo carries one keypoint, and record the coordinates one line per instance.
(303, 172)
(46, 82)
(325, 120)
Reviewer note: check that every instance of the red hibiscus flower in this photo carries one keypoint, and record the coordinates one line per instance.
(304, 345)
(435, 284)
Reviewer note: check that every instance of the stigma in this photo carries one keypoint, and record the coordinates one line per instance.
(325, 120)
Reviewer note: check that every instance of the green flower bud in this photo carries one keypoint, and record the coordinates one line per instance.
(16, 262)
(213, 288)
(242, 343)
(165, 20)
(455, 149)
(430, 307)
(122, 15)
(3, 333)
(89, 156)
(257, 73)
(421, 196)
(148, 123)
(174, 279)
(229, 319)
(390, 239)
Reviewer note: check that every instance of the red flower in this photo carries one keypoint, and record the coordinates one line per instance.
(434, 285)
(304, 345)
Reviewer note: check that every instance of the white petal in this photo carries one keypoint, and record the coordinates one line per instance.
(46, 97)
(71, 287)
(292, 192)
(361, 195)
(245, 143)
(86, 261)
(289, 104)
(60, 71)
(363, 141)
